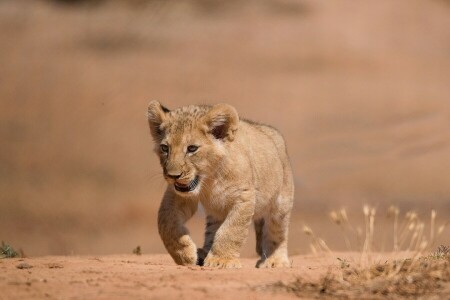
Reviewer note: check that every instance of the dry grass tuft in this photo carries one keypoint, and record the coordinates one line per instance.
(409, 278)
(6, 251)
(442, 252)
(420, 275)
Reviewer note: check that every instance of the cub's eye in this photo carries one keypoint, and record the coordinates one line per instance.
(192, 148)
(164, 148)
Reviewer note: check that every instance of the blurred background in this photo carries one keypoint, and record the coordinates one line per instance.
(360, 90)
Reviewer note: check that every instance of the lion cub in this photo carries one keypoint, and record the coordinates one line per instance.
(238, 170)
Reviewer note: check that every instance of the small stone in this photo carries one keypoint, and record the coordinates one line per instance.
(55, 266)
(24, 265)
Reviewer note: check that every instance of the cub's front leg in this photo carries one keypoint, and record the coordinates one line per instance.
(173, 213)
(232, 233)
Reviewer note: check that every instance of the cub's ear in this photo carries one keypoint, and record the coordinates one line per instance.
(156, 116)
(222, 121)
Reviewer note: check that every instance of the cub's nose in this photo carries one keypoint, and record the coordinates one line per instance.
(174, 175)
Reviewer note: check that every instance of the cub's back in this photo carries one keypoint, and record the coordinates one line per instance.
(267, 154)
(268, 135)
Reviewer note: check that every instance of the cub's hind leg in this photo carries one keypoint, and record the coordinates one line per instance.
(275, 241)
(275, 231)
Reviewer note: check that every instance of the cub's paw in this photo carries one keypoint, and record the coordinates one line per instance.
(274, 262)
(222, 263)
(186, 255)
(185, 259)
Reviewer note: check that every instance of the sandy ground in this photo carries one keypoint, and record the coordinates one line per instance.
(150, 277)
(139, 277)
(158, 277)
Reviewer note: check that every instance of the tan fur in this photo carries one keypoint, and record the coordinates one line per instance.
(244, 176)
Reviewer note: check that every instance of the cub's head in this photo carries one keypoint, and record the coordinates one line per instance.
(191, 141)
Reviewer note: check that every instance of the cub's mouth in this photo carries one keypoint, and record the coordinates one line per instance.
(184, 188)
